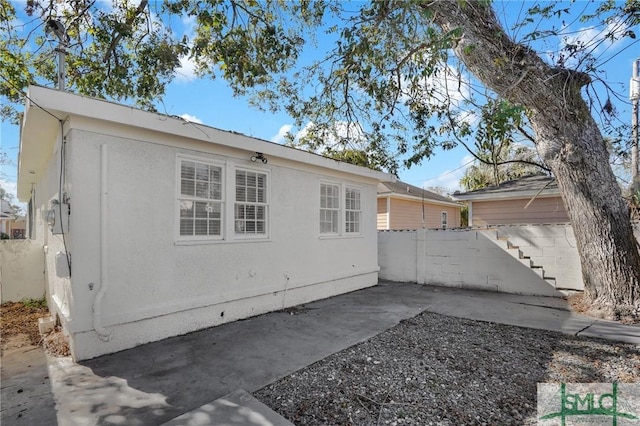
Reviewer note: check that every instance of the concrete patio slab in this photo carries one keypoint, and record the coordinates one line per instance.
(157, 382)
(26, 393)
(237, 408)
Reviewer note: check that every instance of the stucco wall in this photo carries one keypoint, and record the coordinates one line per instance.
(57, 290)
(21, 270)
(158, 286)
(504, 212)
(456, 258)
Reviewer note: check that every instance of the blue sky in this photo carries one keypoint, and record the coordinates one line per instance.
(212, 103)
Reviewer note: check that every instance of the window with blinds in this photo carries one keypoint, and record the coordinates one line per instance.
(201, 199)
(329, 208)
(352, 211)
(251, 206)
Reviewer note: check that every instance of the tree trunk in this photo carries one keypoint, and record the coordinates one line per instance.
(569, 141)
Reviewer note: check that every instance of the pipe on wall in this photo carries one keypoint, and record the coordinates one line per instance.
(103, 333)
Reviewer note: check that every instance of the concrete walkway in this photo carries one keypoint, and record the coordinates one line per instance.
(159, 381)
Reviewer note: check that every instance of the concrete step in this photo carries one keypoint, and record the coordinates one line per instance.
(236, 408)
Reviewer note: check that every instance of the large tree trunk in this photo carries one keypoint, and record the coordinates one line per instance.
(569, 141)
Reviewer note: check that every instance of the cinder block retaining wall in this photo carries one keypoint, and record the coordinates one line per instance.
(481, 258)
(477, 258)
(21, 270)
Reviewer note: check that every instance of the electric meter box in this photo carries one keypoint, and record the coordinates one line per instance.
(58, 218)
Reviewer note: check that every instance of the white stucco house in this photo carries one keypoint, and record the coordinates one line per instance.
(154, 227)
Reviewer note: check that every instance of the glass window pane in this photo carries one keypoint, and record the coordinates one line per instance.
(202, 172)
(201, 227)
(240, 178)
(260, 212)
(239, 211)
(215, 174)
(260, 228)
(216, 191)
(251, 227)
(262, 181)
(202, 190)
(241, 194)
(187, 187)
(188, 170)
(186, 209)
(215, 210)
(186, 227)
(201, 210)
(251, 195)
(251, 180)
(214, 227)
(250, 212)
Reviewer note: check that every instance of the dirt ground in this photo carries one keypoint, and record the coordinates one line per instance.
(19, 328)
(19, 325)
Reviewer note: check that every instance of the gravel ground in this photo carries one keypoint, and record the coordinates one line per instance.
(434, 369)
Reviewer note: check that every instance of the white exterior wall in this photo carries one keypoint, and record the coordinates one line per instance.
(47, 188)
(21, 270)
(158, 287)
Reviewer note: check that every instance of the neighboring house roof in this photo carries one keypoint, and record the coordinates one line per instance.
(528, 186)
(404, 190)
(47, 110)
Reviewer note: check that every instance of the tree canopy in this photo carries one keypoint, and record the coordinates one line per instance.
(386, 73)
(396, 80)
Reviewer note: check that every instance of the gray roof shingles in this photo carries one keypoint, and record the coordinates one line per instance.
(406, 189)
(527, 183)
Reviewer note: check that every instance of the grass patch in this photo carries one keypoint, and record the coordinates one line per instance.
(35, 303)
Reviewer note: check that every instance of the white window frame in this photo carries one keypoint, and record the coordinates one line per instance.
(265, 204)
(354, 212)
(341, 211)
(334, 211)
(444, 219)
(187, 198)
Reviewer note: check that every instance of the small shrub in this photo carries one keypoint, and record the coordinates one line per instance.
(35, 303)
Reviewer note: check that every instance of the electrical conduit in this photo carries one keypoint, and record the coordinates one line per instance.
(103, 333)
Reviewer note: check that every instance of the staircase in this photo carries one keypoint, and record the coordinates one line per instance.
(513, 250)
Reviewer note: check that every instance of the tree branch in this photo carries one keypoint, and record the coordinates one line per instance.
(117, 35)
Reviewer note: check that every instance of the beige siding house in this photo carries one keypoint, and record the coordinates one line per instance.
(402, 206)
(511, 203)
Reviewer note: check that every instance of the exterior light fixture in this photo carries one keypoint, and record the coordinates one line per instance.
(259, 156)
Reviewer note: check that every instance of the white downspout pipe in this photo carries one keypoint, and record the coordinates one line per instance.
(103, 333)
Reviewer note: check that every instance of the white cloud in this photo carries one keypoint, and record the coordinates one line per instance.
(305, 130)
(450, 179)
(187, 70)
(282, 132)
(592, 40)
(191, 118)
(10, 187)
(444, 85)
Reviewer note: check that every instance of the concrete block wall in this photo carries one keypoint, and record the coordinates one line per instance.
(552, 247)
(21, 270)
(456, 258)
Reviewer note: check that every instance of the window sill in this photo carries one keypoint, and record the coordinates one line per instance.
(212, 242)
(340, 236)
